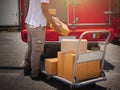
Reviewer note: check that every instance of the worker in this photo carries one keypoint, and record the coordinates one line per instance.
(36, 19)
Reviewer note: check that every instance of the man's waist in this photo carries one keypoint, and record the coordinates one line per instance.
(33, 26)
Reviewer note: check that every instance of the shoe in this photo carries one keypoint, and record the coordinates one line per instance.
(35, 78)
(38, 77)
(27, 71)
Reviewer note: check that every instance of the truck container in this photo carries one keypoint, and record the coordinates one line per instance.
(80, 16)
(116, 21)
(9, 13)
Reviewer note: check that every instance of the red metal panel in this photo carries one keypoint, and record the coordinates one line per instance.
(51, 35)
(22, 15)
(89, 11)
(116, 26)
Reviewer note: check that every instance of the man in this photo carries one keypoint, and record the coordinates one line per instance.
(37, 17)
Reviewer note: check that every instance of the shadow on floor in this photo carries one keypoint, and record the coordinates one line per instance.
(63, 86)
(108, 66)
(11, 68)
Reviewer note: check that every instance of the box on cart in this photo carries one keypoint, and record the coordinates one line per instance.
(51, 65)
(60, 63)
(70, 45)
(84, 70)
(63, 64)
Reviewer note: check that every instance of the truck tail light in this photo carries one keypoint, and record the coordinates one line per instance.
(100, 36)
(95, 35)
(24, 35)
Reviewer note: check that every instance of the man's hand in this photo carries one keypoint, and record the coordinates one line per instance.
(50, 18)
(57, 28)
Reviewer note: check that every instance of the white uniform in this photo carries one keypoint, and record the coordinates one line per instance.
(36, 35)
(35, 16)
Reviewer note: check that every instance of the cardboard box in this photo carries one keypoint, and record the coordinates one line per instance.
(84, 70)
(64, 28)
(52, 11)
(70, 45)
(93, 68)
(69, 66)
(60, 63)
(51, 65)
(90, 69)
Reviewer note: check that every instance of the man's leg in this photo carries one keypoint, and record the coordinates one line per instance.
(27, 69)
(28, 52)
(38, 40)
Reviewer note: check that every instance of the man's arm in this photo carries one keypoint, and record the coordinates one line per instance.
(49, 17)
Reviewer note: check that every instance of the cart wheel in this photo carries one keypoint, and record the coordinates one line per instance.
(92, 85)
(47, 78)
(74, 86)
(71, 87)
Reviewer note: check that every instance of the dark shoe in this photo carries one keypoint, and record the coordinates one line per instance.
(38, 77)
(27, 71)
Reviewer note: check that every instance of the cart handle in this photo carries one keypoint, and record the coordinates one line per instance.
(77, 48)
(88, 32)
(99, 31)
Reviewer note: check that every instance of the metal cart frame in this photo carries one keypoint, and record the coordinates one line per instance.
(95, 55)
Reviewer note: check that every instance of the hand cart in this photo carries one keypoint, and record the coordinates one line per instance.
(97, 54)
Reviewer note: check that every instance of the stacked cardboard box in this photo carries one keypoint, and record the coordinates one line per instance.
(84, 70)
(70, 45)
(65, 60)
(51, 66)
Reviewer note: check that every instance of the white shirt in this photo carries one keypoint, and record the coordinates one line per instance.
(35, 16)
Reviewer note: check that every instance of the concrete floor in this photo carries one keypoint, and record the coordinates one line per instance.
(12, 51)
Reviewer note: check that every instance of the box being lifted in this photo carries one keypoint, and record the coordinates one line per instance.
(64, 28)
(52, 11)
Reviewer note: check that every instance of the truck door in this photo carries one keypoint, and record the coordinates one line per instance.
(89, 12)
(9, 12)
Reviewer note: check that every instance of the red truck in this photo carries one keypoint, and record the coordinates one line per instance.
(116, 21)
(80, 16)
